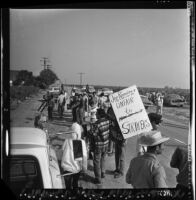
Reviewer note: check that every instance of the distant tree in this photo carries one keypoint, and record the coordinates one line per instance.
(38, 82)
(47, 76)
(24, 77)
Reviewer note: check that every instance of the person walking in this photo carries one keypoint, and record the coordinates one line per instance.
(51, 104)
(146, 171)
(100, 140)
(80, 110)
(85, 104)
(74, 158)
(120, 144)
(61, 103)
(159, 103)
(74, 103)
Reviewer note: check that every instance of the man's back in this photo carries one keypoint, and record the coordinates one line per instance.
(101, 133)
(146, 172)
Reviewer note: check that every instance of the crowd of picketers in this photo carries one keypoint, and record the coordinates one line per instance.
(96, 126)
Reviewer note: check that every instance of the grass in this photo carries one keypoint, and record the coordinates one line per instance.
(21, 92)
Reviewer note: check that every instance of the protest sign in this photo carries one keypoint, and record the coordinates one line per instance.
(130, 112)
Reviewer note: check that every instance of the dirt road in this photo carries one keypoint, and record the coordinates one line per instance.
(23, 115)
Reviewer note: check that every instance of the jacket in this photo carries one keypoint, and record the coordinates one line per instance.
(179, 160)
(68, 162)
(146, 172)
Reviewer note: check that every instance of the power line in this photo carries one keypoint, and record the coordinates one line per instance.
(48, 66)
(45, 62)
(81, 74)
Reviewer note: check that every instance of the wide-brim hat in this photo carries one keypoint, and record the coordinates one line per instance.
(152, 138)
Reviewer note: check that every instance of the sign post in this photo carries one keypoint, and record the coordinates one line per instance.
(130, 112)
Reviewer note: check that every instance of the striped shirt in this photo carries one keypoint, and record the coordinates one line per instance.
(101, 134)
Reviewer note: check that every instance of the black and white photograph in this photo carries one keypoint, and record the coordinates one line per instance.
(100, 99)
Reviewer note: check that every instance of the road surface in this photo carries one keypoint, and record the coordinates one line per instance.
(23, 115)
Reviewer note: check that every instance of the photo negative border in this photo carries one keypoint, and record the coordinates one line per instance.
(92, 193)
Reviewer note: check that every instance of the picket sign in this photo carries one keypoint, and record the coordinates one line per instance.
(130, 112)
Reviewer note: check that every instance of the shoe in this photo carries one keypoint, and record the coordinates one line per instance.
(97, 181)
(102, 175)
(116, 171)
(118, 175)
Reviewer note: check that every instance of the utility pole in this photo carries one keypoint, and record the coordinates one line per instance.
(81, 77)
(45, 62)
(48, 66)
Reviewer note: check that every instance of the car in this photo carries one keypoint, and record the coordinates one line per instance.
(32, 162)
(54, 90)
(146, 101)
(174, 100)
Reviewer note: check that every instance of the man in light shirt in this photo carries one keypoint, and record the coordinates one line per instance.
(61, 103)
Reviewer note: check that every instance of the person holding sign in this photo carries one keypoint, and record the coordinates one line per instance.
(145, 171)
(120, 144)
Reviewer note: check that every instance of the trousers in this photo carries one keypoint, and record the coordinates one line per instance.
(99, 160)
(120, 148)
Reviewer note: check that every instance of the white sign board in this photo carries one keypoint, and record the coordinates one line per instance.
(130, 112)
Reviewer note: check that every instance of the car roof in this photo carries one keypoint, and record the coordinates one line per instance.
(28, 136)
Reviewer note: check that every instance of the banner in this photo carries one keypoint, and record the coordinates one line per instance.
(130, 112)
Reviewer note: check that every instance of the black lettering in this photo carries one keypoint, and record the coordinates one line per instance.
(124, 126)
(137, 126)
(132, 128)
(147, 124)
(142, 124)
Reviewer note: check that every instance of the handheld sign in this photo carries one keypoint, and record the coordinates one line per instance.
(130, 112)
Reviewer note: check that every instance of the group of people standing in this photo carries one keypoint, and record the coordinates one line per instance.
(96, 118)
(145, 170)
(58, 101)
(96, 126)
(157, 98)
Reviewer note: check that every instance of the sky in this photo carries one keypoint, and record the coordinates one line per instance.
(114, 47)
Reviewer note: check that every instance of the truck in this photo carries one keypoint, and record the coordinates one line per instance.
(32, 161)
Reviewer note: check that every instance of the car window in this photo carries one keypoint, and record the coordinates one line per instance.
(24, 172)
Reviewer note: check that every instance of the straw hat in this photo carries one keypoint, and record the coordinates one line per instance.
(152, 138)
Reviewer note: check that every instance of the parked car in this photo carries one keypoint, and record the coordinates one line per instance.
(33, 162)
(174, 100)
(146, 101)
(54, 90)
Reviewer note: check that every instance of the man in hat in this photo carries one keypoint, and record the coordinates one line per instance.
(155, 120)
(145, 171)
